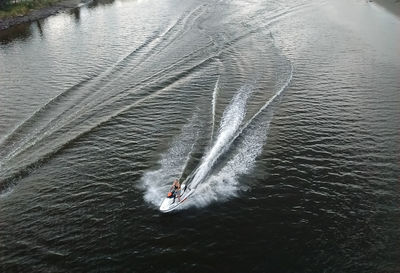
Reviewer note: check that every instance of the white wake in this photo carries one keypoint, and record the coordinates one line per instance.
(172, 164)
(208, 182)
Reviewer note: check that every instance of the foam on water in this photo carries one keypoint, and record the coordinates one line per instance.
(212, 183)
(230, 123)
(172, 163)
(225, 183)
(222, 184)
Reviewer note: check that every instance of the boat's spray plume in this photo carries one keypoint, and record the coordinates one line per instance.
(224, 183)
(172, 163)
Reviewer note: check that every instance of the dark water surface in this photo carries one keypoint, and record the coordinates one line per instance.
(285, 114)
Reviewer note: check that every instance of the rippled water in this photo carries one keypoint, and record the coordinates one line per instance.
(282, 115)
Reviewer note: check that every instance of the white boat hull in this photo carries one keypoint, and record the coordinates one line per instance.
(169, 204)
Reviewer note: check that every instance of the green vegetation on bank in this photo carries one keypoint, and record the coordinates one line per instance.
(18, 8)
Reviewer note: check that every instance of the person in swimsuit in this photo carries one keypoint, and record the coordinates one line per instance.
(176, 190)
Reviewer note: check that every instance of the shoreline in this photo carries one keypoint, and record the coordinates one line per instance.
(39, 13)
(393, 6)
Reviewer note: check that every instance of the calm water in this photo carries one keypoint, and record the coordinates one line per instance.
(283, 115)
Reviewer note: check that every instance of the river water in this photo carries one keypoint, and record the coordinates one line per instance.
(282, 115)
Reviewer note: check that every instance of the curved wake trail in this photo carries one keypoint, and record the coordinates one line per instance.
(65, 108)
(95, 101)
(59, 135)
(74, 107)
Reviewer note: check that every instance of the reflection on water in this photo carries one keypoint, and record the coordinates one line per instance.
(39, 27)
(26, 30)
(18, 32)
(76, 12)
(96, 3)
